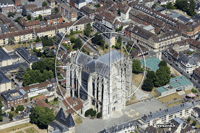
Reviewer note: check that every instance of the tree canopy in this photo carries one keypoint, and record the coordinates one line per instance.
(88, 30)
(20, 108)
(136, 66)
(77, 44)
(148, 84)
(162, 63)
(29, 17)
(41, 116)
(183, 5)
(162, 76)
(98, 39)
(20, 73)
(44, 3)
(46, 41)
(24, 12)
(41, 71)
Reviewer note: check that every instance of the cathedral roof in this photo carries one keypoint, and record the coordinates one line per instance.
(99, 65)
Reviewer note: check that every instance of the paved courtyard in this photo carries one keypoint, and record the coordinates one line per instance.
(131, 112)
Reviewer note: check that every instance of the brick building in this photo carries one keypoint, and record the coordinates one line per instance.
(17, 2)
(32, 24)
(53, 19)
(14, 97)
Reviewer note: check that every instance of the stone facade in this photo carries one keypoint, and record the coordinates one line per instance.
(102, 86)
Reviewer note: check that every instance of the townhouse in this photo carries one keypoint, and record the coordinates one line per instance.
(53, 19)
(43, 11)
(69, 12)
(12, 98)
(31, 34)
(30, 7)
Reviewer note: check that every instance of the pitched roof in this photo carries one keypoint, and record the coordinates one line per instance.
(68, 122)
(68, 8)
(53, 16)
(39, 85)
(3, 78)
(40, 8)
(4, 55)
(87, 10)
(30, 6)
(72, 101)
(29, 23)
(142, 32)
(171, 110)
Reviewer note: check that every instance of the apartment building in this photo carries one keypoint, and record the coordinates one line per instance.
(31, 34)
(183, 110)
(77, 3)
(153, 41)
(12, 98)
(5, 59)
(69, 12)
(43, 11)
(5, 83)
(52, 3)
(88, 12)
(32, 24)
(53, 19)
(7, 6)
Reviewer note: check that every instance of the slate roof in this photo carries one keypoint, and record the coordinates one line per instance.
(4, 55)
(100, 65)
(9, 97)
(26, 55)
(184, 19)
(142, 32)
(78, 1)
(5, 2)
(59, 128)
(13, 67)
(101, 28)
(4, 28)
(3, 78)
(87, 10)
(54, 16)
(68, 122)
(192, 59)
(168, 111)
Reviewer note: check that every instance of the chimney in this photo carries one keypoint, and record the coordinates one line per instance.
(150, 112)
(193, 102)
(160, 109)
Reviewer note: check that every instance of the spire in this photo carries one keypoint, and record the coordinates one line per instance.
(70, 121)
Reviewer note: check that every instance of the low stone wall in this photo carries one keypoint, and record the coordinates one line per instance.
(15, 123)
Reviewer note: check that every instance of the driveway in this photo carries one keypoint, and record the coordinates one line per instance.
(96, 125)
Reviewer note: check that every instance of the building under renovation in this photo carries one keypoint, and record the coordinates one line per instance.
(103, 83)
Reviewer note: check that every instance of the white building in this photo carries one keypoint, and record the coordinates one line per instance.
(189, 63)
(43, 11)
(183, 110)
(102, 83)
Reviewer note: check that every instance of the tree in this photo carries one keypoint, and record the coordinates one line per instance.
(12, 109)
(20, 73)
(17, 19)
(99, 115)
(191, 10)
(11, 14)
(98, 39)
(24, 12)
(119, 40)
(71, 32)
(20, 108)
(44, 3)
(10, 116)
(41, 116)
(93, 113)
(11, 40)
(29, 17)
(118, 46)
(88, 30)
(88, 112)
(189, 119)
(77, 44)
(47, 41)
(170, 6)
(148, 84)
(72, 40)
(56, 10)
(37, 39)
(46, 101)
(162, 63)
(40, 17)
(55, 99)
(162, 76)
(119, 12)
(136, 66)
(194, 123)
